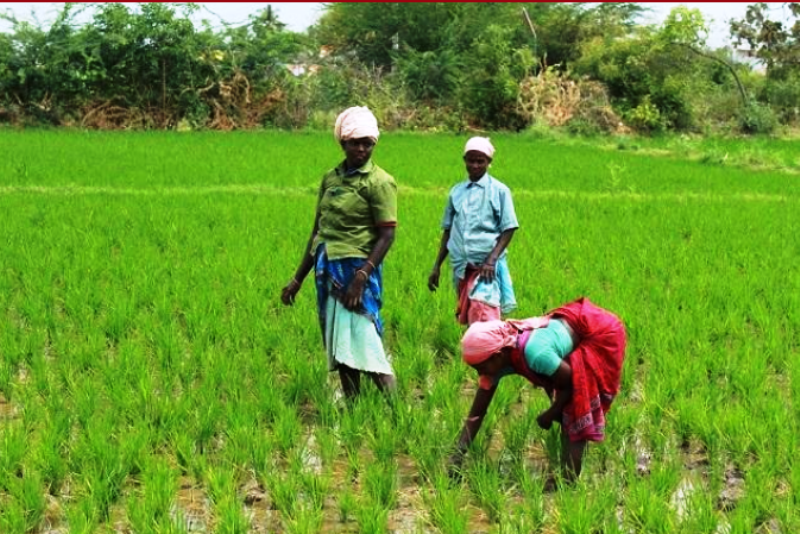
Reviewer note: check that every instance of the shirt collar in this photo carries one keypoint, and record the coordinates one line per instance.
(364, 169)
(482, 182)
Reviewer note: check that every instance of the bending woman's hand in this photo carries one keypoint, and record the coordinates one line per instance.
(545, 419)
(290, 292)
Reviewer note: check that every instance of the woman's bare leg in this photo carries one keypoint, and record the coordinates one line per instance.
(571, 457)
(351, 381)
(386, 384)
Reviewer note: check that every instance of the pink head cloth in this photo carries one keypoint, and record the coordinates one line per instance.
(483, 340)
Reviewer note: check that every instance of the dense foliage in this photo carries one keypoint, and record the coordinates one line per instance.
(452, 66)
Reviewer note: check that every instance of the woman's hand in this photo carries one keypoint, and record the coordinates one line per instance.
(433, 279)
(290, 292)
(454, 464)
(545, 419)
(355, 291)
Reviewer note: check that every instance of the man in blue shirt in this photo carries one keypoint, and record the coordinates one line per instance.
(478, 224)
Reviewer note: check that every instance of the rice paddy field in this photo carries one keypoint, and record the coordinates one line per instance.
(151, 381)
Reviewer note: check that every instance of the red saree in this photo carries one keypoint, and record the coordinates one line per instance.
(596, 364)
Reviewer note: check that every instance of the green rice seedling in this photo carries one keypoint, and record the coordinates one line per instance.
(49, 459)
(327, 448)
(230, 518)
(531, 486)
(701, 515)
(282, 491)
(351, 430)
(221, 482)
(787, 516)
(649, 510)
(316, 487)
(516, 432)
(347, 504)
(760, 492)
(262, 456)
(446, 506)
(286, 431)
(12, 517)
(373, 517)
(207, 417)
(429, 455)
(586, 510)
(13, 446)
(383, 440)
(380, 483)
(7, 372)
(81, 515)
(25, 497)
(485, 483)
(49, 455)
(519, 519)
(304, 521)
(149, 511)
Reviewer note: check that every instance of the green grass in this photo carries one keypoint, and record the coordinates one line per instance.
(145, 358)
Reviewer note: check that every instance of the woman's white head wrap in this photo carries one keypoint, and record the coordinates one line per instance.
(355, 123)
(480, 144)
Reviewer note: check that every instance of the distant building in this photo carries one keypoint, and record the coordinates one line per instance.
(747, 57)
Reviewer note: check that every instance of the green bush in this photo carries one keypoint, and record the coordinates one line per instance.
(583, 126)
(784, 98)
(758, 118)
(646, 117)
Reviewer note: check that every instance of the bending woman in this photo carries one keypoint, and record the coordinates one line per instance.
(353, 230)
(574, 353)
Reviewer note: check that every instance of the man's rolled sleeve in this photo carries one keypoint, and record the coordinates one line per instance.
(508, 217)
(449, 214)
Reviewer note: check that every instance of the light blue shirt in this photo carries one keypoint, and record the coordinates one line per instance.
(547, 347)
(545, 350)
(476, 214)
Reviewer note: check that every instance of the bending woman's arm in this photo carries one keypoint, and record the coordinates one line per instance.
(562, 382)
(480, 405)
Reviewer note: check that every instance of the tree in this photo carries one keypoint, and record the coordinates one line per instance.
(773, 41)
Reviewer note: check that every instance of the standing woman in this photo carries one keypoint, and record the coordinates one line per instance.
(575, 351)
(354, 228)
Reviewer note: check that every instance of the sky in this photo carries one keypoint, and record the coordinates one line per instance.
(298, 16)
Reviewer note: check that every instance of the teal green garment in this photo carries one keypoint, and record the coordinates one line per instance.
(547, 347)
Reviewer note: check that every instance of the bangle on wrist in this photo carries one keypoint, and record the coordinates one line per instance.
(361, 271)
(370, 264)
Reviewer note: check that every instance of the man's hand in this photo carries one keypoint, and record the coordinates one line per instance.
(433, 279)
(487, 271)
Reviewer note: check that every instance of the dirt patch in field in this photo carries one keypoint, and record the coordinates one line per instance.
(192, 507)
(7, 409)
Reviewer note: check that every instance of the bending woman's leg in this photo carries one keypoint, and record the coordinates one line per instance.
(571, 457)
